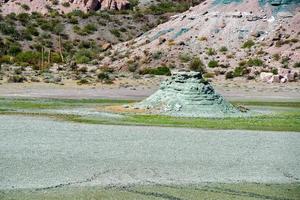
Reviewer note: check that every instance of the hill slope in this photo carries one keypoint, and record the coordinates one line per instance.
(240, 37)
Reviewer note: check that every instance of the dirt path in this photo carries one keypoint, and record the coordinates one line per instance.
(41, 153)
(232, 90)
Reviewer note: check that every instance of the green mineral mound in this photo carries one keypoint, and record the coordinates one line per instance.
(187, 94)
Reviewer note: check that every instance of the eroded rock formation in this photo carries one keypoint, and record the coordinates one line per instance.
(188, 94)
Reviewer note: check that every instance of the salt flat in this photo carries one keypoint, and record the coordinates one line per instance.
(41, 153)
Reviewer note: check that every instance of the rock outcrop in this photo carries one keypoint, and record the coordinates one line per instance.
(187, 94)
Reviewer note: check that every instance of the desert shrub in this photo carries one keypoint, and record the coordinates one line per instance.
(167, 6)
(184, 57)
(213, 64)
(197, 65)
(24, 18)
(229, 75)
(163, 70)
(209, 75)
(274, 71)
(223, 49)
(32, 30)
(239, 71)
(296, 65)
(157, 55)
(103, 75)
(16, 79)
(105, 78)
(13, 48)
(8, 29)
(25, 7)
(55, 57)
(65, 4)
(211, 52)
(294, 40)
(248, 44)
(115, 32)
(202, 38)
(6, 59)
(276, 57)
(107, 69)
(28, 57)
(132, 65)
(255, 62)
(83, 56)
(73, 20)
(83, 81)
(89, 28)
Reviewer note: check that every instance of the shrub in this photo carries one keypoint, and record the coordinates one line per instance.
(115, 32)
(248, 44)
(197, 65)
(25, 7)
(65, 4)
(229, 75)
(32, 30)
(16, 79)
(211, 52)
(185, 57)
(157, 55)
(276, 57)
(8, 29)
(223, 49)
(6, 59)
(83, 56)
(29, 57)
(239, 71)
(296, 65)
(163, 70)
(89, 28)
(255, 62)
(213, 64)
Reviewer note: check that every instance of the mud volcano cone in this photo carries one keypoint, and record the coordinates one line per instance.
(188, 94)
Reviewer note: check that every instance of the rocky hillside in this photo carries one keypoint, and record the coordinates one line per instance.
(225, 40)
(63, 6)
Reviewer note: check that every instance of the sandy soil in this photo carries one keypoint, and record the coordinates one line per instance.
(139, 89)
(41, 153)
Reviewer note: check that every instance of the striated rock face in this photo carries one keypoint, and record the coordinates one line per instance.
(9, 6)
(188, 94)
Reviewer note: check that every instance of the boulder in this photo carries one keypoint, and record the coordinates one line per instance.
(266, 76)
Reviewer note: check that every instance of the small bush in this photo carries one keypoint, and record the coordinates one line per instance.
(16, 79)
(115, 32)
(213, 64)
(185, 57)
(197, 65)
(65, 4)
(223, 49)
(296, 65)
(25, 7)
(276, 57)
(157, 55)
(211, 52)
(239, 71)
(229, 75)
(248, 44)
(163, 70)
(255, 62)
(29, 57)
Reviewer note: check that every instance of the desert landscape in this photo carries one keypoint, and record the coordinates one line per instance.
(169, 99)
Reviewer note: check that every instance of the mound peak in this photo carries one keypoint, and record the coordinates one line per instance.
(187, 94)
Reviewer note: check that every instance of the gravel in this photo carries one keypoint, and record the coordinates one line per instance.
(44, 153)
